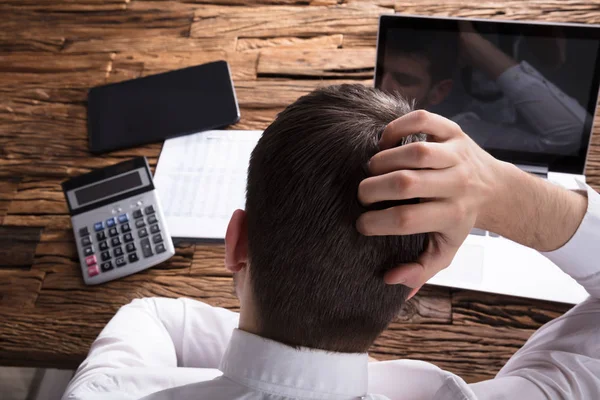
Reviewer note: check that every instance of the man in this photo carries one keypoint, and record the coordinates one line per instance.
(420, 66)
(526, 112)
(311, 288)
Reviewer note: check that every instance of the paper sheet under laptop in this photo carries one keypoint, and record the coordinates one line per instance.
(201, 180)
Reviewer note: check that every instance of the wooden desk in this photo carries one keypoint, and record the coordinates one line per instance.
(53, 51)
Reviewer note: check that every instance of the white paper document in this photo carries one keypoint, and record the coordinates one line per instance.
(201, 180)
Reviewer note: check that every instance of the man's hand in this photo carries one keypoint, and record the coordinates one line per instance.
(454, 178)
(460, 186)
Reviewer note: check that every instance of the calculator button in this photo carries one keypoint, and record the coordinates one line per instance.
(133, 257)
(125, 228)
(123, 218)
(110, 222)
(152, 219)
(128, 237)
(115, 242)
(130, 247)
(100, 236)
(146, 248)
(118, 252)
(88, 251)
(93, 270)
(86, 241)
(160, 248)
(84, 231)
(142, 233)
(105, 256)
(98, 226)
(106, 266)
(140, 223)
(137, 214)
(120, 261)
(113, 232)
(149, 210)
(103, 246)
(154, 229)
(157, 238)
(90, 260)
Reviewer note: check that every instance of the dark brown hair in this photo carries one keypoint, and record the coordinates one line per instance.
(316, 280)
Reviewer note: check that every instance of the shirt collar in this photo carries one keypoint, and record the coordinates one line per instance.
(273, 367)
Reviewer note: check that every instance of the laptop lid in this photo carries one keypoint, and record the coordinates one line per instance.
(526, 92)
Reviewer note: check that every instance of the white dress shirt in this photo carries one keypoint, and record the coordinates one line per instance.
(555, 121)
(167, 349)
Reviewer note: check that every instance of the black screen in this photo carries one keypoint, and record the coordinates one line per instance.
(108, 188)
(525, 92)
(157, 107)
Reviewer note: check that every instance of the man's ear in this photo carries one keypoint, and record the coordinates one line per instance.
(440, 91)
(236, 242)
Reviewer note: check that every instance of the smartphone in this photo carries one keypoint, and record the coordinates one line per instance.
(157, 107)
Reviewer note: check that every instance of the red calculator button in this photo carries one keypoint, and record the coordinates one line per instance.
(90, 260)
(93, 270)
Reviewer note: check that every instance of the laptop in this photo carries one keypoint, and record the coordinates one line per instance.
(526, 92)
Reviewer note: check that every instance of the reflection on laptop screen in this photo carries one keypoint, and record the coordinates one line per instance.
(525, 92)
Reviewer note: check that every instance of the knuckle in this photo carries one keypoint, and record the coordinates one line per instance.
(422, 152)
(403, 182)
(421, 117)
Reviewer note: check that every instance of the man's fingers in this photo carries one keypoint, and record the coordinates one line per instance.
(411, 184)
(433, 216)
(418, 155)
(420, 121)
(414, 275)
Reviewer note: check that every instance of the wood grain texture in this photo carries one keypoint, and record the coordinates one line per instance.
(52, 52)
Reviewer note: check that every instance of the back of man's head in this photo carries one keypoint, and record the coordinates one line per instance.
(316, 281)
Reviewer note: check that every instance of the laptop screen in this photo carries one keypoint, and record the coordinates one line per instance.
(525, 92)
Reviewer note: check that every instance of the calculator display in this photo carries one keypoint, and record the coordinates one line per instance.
(106, 186)
(109, 188)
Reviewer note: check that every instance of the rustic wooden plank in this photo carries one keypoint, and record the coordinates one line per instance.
(40, 221)
(25, 41)
(17, 246)
(69, 6)
(8, 189)
(474, 354)
(271, 21)
(338, 63)
(274, 93)
(475, 309)
(82, 25)
(431, 305)
(43, 196)
(256, 119)
(128, 65)
(158, 44)
(318, 42)
(593, 161)
(38, 164)
(545, 10)
(37, 68)
(20, 289)
(353, 41)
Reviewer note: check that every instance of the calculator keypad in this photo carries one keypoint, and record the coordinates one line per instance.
(116, 240)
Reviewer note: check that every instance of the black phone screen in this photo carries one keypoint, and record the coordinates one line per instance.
(157, 107)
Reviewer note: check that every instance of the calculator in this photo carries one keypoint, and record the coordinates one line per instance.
(118, 222)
